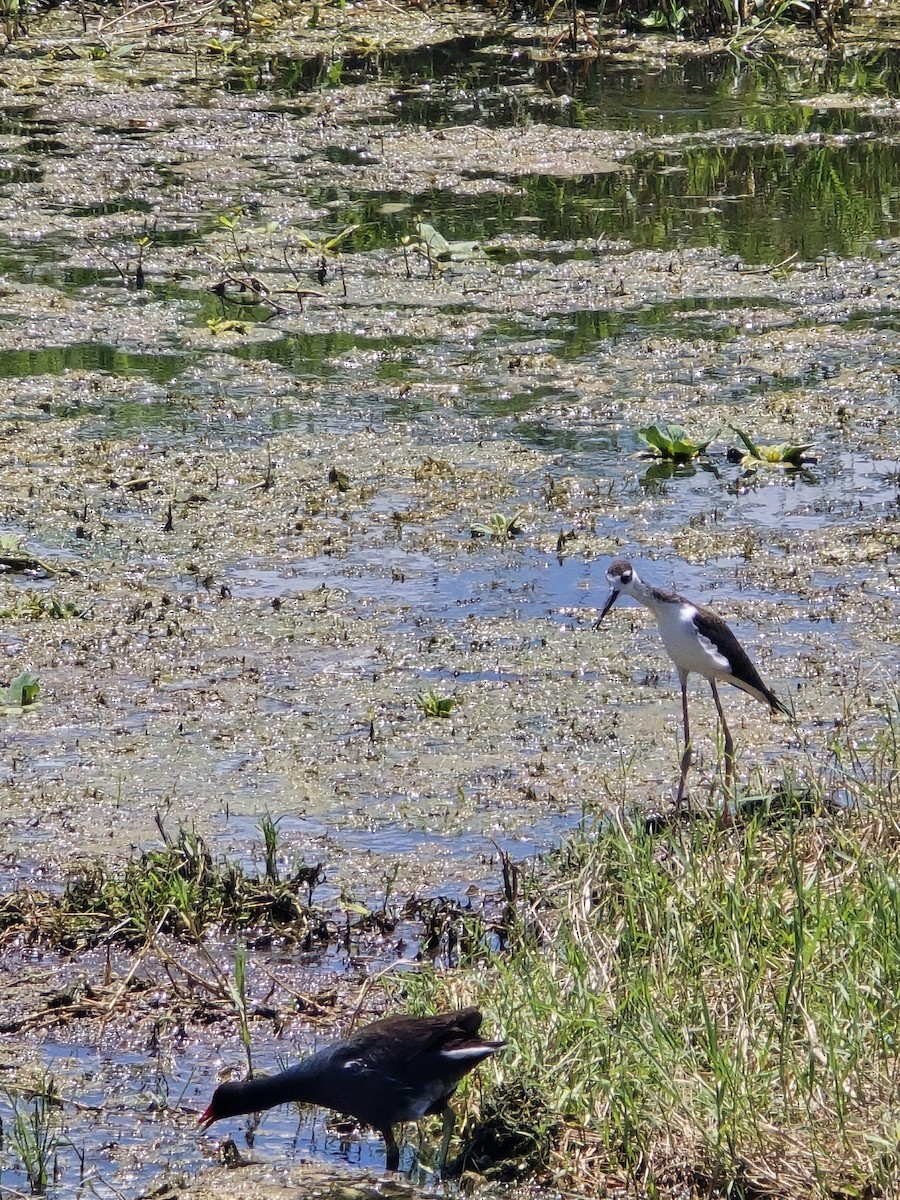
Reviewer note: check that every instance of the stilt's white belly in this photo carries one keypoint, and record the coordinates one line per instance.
(686, 647)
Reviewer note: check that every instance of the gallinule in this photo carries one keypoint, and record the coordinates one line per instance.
(396, 1069)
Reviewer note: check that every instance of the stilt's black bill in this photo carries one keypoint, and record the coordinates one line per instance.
(610, 601)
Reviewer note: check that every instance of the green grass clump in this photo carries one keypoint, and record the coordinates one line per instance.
(35, 1135)
(179, 890)
(712, 1008)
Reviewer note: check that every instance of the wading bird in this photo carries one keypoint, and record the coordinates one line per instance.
(396, 1069)
(696, 640)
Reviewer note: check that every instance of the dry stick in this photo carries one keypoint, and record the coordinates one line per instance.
(367, 985)
(53, 1015)
(214, 966)
(217, 988)
(187, 22)
(8, 1191)
(148, 943)
(131, 12)
(106, 1183)
(320, 1010)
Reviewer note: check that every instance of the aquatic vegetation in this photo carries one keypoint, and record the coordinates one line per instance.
(11, 21)
(780, 454)
(35, 606)
(271, 842)
(576, 26)
(228, 50)
(434, 705)
(242, 286)
(35, 1134)
(220, 325)
(179, 890)
(22, 692)
(131, 277)
(431, 244)
(237, 990)
(695, 1004)
(326, 248)
(498, 526)
(15, 556)
(743, 21)
(672, 443)
(339, 479)
(668, 18)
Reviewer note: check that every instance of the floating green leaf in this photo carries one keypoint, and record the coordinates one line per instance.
(672, 443)
(219, 325)
(22, 691)
(498, 526)
(779, 454)
(11, 543)
(434, 244)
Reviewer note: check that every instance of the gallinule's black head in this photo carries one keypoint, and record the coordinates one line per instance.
(397, 1069)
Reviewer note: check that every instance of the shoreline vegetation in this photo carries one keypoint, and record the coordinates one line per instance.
(686, 1004)
(711, 1008)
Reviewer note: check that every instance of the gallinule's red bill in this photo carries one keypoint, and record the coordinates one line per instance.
(397, 1069)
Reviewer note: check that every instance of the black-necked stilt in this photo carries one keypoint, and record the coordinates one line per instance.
(396, 1069)
(696, 640)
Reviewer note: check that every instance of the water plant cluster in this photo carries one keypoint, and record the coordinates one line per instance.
(180, 890)
(673, 444)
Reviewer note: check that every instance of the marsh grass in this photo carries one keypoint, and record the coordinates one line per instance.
(35, 1134)
(180, 890)
(710, 1008)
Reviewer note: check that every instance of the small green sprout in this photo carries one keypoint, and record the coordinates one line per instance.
(237, 989)
(498, 526)
(226, 49)
(672, 443)
(35, 1135)
(340, 479)
(433, 705)
(779, 454)
(325, 245)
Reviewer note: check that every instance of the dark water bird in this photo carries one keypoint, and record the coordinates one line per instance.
(396, 1069)
(696, 640)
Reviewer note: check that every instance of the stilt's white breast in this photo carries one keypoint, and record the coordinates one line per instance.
(687, 647)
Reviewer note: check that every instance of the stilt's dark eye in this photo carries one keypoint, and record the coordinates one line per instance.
(626, 577)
